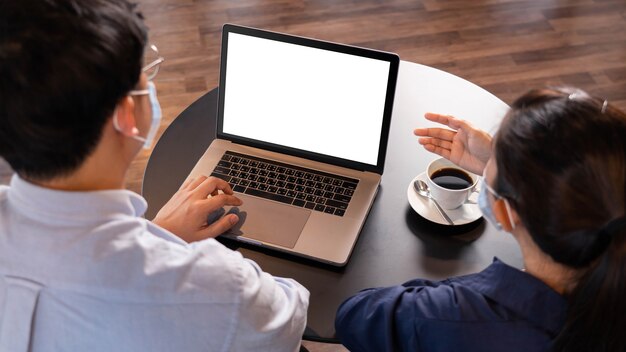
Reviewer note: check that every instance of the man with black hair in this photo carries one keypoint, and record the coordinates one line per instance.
(80, 269)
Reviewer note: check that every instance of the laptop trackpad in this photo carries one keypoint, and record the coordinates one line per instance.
(268, 221)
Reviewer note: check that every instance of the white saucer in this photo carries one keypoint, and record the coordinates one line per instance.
(462, 215)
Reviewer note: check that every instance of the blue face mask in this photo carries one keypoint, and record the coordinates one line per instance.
(485, 207)
(156, 115)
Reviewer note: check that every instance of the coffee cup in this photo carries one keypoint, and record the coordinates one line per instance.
(450, 185)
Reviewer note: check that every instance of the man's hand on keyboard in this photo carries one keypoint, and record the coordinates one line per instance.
(186, 213)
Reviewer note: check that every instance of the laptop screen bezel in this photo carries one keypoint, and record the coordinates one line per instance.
(392, 58)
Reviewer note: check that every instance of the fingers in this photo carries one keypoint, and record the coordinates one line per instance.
(440, 133)
(220, 226)
(438, 150)
(210, 186)
(218, 201)
(193, 182)
(435, 142)
(447, 120)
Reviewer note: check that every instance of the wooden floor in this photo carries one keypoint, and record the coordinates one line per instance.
(505, 46)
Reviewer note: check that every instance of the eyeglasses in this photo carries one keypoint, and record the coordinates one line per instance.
(151, 69)
(493, 192)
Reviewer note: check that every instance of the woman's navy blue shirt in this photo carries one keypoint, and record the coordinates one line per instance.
(498, 309)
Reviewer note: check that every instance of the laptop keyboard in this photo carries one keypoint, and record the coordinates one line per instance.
(302, 187)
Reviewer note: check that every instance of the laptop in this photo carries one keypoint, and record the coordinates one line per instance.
(302, 129)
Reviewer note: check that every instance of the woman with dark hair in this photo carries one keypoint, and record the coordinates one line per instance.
(555, 178)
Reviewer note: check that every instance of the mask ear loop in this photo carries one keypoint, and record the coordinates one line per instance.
(134, 132)
(503, 210)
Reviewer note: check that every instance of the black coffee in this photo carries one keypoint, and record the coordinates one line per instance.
(451, 178)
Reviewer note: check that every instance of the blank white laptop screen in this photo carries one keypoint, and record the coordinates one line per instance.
(305, 98)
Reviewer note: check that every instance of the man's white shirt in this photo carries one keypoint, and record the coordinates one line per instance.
(83, 271)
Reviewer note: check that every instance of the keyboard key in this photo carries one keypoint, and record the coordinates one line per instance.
(339, 190)
(299, 202)
(272, 174)
(244, 161)
(299, 188)
(310, 198)
(341, 198)
(329, 210)
(308, 176)
(224, 163)
(290, 172)
(327, 180)
(317, 178)
(291, 179)
(348, 192)
(349, 185)
(235, 167)
(329, 188)
(271, 167)
(221, 170)
(291, 194)
(300, 181)
(226, 157)
(261, 179)
(254, 171)
(262, 187)
(245, 168)
(319, 207)
(263, 172)
(254, 185)
(339, 212)
(299, 173)
(223, 177)
(310, 183)
(267, 195)
(261, 166)
(253, 163)
(319, 192)
(337, 182)
(281, 191)
(244, 175)
(309, 205)
(328, 194)
(282, 177)
(301, 196)
(239, 189)
(309, 190)
(336, 204)
(244, 183)
(235, 159)
(319, 185)
(280, 170)
(290, 186)
(252, 177)
(281, 184)
(271, 182)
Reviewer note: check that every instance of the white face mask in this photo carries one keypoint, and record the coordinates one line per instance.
(156, 116)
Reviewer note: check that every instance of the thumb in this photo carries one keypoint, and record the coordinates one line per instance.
(220, 226)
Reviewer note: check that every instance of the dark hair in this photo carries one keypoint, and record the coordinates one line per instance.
(64, 65)
(561, 159)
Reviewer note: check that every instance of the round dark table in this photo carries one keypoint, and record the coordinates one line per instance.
(396, 244)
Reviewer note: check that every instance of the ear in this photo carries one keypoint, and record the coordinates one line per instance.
(505, 215)
(124, 117)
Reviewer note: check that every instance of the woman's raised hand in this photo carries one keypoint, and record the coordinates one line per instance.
(463, 144)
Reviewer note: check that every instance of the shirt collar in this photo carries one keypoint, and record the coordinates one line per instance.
(523, 294)
(72, 206)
